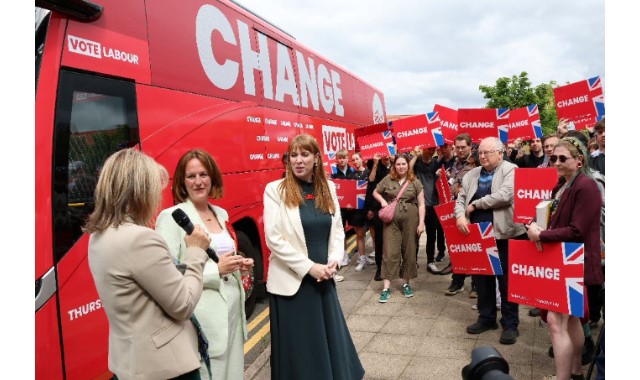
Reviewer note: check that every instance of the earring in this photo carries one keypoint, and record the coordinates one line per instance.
(579, 165)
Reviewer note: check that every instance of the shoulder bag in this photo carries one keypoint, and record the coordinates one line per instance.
(386, 213)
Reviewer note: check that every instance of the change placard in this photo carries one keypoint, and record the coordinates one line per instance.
(351, 193)
(552, 279)
(475, 253)
(531, 185)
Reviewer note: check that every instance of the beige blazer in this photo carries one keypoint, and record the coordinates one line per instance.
(212, 310)
(148, 302)
(289, 261)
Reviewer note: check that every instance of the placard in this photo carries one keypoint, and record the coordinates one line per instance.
(475, 253)
(351, 193)
(552, 279)
(531, 185)
(381, 143)
(443, 187)
(524, 123)
(413, 131)
(580, 102)
(448, 122)
(479, 123)
(446, 214)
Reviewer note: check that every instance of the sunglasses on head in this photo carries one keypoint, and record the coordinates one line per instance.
(554, 157)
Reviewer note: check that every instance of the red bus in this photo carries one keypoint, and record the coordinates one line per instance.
(164, 76)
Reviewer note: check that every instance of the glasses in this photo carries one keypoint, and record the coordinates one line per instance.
(554, 157)
(487, 152)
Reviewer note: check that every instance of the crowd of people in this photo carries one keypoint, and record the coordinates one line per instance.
(175, 311)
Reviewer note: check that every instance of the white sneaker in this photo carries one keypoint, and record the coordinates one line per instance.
(433, 267)
(372, 255)
(360, 266)
(368, 260)
(345, 260)
(338, 278)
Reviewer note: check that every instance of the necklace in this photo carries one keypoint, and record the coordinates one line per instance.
(204, 216)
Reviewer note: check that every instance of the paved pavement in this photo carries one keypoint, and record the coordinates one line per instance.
(424, 337)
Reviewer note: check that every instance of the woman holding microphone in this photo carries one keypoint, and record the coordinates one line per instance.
(148, 302)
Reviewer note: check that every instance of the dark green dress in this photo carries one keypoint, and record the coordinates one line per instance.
(309, 335)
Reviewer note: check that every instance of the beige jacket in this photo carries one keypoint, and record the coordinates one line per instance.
(148, 302)
(500, 200)
(289, 261)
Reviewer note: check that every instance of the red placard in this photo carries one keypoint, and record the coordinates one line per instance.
(475, 253)
(413, 131)
(350, 192)
(552, 279)
(445, 213)
(522, 123)
(580, 102)
(442, 186)
(448, 122)
(530, 187)
(479, 123)
(376, 143)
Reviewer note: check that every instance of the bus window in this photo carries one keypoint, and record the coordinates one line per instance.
(95, 117)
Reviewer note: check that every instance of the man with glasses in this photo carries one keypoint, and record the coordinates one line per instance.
(486, 195)
(463, 163)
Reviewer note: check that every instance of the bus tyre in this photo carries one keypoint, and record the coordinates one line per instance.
(246, 249)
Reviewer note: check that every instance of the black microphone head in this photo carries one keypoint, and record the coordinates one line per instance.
(183, 220)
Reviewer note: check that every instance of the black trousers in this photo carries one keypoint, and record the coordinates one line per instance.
(434, 231)
(378, 239)
(486, 288)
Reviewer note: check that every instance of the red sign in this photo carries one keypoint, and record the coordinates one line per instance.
(580, 102)
(479, 123)
(445, 213)
(448, 122)
(350, 192)
(552, 279)
(523, 122)
(413, 131)
(475, 253)
(531, 186)
(381, 143)
(442, 185)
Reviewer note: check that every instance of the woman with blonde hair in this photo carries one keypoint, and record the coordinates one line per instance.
(148, 302)
(402, 233)
(221, 308)
(303, 229)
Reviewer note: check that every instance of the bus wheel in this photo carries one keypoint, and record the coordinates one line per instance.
(254, 277)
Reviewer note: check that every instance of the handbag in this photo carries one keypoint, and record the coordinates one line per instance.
(386, 213)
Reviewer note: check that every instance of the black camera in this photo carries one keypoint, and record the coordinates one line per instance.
(486, 364)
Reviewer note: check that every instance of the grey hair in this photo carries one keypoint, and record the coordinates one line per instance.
(497, 143)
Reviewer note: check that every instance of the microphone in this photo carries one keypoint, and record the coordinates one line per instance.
(183, 221)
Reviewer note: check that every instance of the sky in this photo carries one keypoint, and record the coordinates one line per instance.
(422, 53)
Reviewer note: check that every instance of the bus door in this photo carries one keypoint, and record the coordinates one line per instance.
(95, 117)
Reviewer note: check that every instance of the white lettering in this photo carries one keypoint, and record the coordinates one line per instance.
(271, 121)
(477, 124)
(308, 84)
(252, 60)
(467, 247)
(85, 47)
(209, 18)
(85, 309)
(285, 80)
(572, 101)
(413, 132)
(283, 139)
(262, 138)
(533, 194)
(256, 156)
(536, 271)
(336, 138)
(253, 119)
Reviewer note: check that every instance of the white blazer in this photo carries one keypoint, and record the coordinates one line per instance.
(289, 261)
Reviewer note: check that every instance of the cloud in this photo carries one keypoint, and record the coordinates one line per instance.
(419, 53)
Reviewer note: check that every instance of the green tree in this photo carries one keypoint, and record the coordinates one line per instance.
(516, 92)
